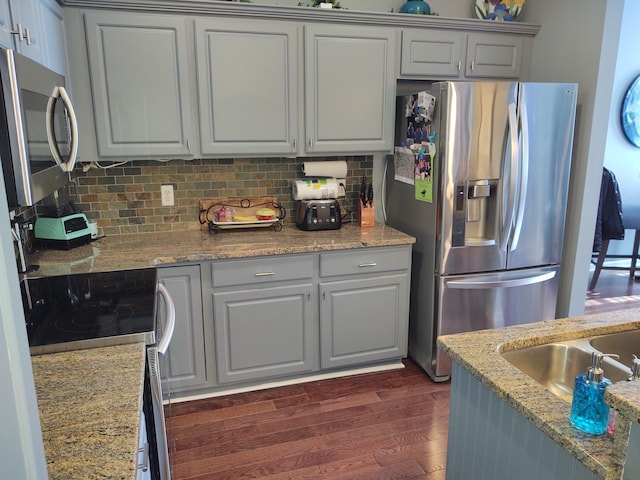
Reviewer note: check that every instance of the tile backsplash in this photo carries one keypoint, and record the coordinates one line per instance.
(127, 199)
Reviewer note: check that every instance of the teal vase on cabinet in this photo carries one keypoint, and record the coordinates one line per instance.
(418, 7)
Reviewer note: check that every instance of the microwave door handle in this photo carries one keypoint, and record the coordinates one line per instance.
(60, 92)
(163, 344)
(73, 123)
(51, 137)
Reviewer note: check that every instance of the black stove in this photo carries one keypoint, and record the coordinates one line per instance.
(70, 312)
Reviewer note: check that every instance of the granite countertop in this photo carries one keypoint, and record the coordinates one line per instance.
(89, 403)
(149, 249)
(479, 354)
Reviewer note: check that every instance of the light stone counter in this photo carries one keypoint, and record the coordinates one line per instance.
(149, 249)
(89, 403)
(479, 354)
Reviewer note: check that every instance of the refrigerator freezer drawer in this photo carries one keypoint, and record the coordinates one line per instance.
(481, 301)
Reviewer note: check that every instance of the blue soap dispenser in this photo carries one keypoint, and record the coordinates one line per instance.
(589, 413)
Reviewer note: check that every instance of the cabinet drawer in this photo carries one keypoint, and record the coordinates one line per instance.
(272, 269)
(370, 260)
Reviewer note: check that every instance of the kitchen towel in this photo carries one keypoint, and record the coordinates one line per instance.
(315, 188)
(332, 168)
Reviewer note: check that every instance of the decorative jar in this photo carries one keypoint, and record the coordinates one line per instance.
(418, 7)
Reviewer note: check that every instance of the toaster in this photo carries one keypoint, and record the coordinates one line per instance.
(318, 214)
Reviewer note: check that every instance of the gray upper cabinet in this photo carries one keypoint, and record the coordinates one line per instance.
(21, 28)
(494, 56)
(349, 88)
(247, 86)
(452, 54)
(141, 83)
(184, 366)
(54, 45)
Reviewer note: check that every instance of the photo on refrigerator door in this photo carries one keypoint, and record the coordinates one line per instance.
(415, 156)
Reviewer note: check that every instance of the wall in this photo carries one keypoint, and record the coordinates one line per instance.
(578, 43)
(126, 199)
(621, 156)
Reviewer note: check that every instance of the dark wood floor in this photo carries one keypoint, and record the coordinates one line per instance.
(378, 426)
(613, 291)
(381, 426)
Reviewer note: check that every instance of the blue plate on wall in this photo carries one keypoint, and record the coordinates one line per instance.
(631, 113)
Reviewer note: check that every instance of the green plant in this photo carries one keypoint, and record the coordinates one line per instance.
(335, 3)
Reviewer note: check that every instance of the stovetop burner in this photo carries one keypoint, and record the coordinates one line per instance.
(79, 311)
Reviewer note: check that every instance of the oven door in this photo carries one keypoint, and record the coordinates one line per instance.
(39, 121)
(154, 409)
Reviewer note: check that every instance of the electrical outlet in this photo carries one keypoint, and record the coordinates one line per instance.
(166, 192)
(342, 187)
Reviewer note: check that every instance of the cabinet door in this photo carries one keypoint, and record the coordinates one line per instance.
(264, 332)
(432, 53)
(53, 33)
(140, 82)
(494, 56)
(363, 320)
(247, 86)
(25, 17)
(349, 89)
(6, 37)
(183, 366)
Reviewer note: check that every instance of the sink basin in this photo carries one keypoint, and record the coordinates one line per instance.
(555, 365)
(625, 344)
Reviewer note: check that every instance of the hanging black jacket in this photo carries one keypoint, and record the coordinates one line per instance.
(609, 224)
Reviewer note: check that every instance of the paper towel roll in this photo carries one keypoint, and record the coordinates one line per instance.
(315, 188)
(333, 168)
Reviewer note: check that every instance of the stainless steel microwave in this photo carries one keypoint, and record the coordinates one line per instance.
(38, 129)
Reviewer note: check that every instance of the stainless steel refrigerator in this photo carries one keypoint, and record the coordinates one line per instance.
(483, 188)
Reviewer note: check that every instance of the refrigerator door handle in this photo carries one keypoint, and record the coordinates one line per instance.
(524, 177)
(517, 282)
(513, 175)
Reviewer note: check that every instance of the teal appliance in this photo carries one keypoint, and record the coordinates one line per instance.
(64, 233)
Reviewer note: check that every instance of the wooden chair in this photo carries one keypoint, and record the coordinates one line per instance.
(631, 218)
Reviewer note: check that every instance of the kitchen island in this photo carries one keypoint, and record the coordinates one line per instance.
(514, 407)
(89, 403)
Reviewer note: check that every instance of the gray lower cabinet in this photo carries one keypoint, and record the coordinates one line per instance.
(246, 321)
(140, 83)
(184, 367)
(363, 320)
(263, 313)
(264, 332)
(364, 316)
(459, 55)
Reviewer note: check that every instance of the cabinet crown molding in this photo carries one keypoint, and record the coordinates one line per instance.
(279, 12)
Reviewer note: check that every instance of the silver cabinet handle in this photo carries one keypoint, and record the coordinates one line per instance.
(18, 32)
(27, 35)
(145, 459)
(265, 274)
(363, 265)
(459, 64)
(473, 65)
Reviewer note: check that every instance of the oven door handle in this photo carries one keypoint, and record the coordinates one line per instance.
(163, 344)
